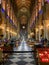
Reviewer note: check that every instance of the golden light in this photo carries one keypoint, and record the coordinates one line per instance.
(29, 36)
(1, 27)
(12, 32)
(41, 27)
(37, 29)
(47, 23)
(32, 33)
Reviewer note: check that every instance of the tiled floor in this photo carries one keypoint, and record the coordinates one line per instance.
(21, 58)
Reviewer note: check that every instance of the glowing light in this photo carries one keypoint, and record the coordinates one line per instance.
(41, 27)
(32, 33)
(40, 54)
(37, 30)
(45, 52)
(47, 25)
(45, 60)
(8, 30)
(23, 27)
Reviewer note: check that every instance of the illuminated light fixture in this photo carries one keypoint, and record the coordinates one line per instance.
(23, 27)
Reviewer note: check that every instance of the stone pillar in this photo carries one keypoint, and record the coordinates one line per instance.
(3, 18)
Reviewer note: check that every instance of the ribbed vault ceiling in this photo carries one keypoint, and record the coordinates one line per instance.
(23, 9)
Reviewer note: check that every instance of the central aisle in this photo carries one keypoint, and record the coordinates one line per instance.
(23, 47)
(21, 59)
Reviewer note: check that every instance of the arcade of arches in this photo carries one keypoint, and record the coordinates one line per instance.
(23, 24)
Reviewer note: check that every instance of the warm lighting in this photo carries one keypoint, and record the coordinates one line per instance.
(1, 27)
(31, 33)
(23, 27)
(37, 30)
(47, 25)
(29, 36)
(41, 27)
(23, 1)
(39, 1)
(12, 32)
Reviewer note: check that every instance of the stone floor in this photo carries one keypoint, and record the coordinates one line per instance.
(21, 58)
